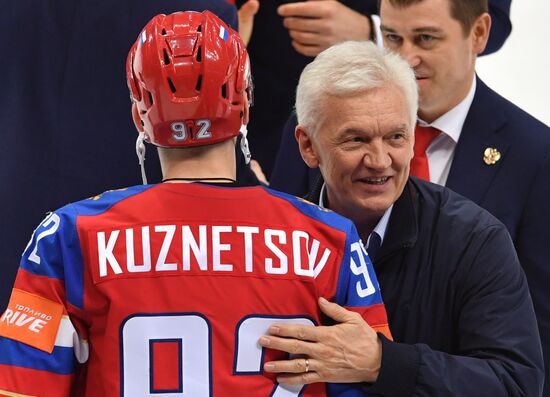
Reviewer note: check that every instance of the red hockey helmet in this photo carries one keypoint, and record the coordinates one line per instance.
(189, 75)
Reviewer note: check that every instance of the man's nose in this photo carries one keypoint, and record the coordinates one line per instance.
(377, 157)
(410, 53)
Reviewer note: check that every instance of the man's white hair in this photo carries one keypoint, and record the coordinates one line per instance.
(348, 68)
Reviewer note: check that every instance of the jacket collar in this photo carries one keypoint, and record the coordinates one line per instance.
(402, 229)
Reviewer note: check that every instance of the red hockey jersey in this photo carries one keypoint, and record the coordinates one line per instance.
(165, 290)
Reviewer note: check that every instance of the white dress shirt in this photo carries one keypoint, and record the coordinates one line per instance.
(441, 151)
(380, 227)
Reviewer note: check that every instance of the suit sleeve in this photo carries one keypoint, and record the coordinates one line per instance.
(499, 347)
(532, 246)
(38, 340)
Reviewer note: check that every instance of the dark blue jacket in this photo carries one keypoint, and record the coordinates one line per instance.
(66, 128)
(457, 301)
(516, 189)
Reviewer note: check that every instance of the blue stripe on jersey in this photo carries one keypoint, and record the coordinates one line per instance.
(312, 210)
(61, 361)
(352, 286)
(54, 250)
(98, 204)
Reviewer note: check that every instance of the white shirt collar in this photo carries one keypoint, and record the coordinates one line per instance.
(380, 227)
(451, 123)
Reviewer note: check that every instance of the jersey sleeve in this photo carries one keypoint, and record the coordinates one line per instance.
(40, 348)
(358, 289)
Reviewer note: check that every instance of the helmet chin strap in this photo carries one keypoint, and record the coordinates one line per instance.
(244, 144)
(140, 151)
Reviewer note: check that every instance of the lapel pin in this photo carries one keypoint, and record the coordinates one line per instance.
(491, 156)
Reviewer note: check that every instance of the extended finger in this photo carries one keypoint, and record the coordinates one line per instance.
(305, 38)
(248, 10)
(337, 312)
(299, 379)
(296, 331)
(305, 9)
(311, 25)
(292, 346)
(292, 366)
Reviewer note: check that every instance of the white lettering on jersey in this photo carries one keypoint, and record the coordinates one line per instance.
(146, 249)
(283, 260)
(209, 246)
(248, 231)
(361, 270)
(106, 253)
(317, 267)
(170, 230)
(199, 250)
(32, 312)
(297, 237)
(20, 319)
(218, 247)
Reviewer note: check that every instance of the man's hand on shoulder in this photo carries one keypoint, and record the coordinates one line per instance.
(347, 352)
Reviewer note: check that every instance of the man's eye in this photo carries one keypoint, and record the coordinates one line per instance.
(426, 38)
(392, 38)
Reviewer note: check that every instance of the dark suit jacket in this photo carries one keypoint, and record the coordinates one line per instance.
(66, 128)
(516, 189)
(457, 301)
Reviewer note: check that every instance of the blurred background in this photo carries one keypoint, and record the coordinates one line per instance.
(520, 71)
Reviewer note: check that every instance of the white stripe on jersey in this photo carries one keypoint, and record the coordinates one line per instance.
(68, 337)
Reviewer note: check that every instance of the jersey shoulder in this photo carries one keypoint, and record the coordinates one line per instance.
(314, 211)
(100, 203)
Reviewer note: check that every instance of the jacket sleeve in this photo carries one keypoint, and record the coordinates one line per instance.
(499, 351)
(532, 241)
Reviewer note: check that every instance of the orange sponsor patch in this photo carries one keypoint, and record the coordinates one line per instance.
(32, 320)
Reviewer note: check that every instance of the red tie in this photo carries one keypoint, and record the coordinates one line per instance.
(423, 136)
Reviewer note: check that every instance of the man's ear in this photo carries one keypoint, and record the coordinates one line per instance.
(136, 118)
(480, 32)
(306, 146)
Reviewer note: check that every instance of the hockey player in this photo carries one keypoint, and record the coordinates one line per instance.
(166, 288)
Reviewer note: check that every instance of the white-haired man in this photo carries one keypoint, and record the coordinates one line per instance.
(457, 299)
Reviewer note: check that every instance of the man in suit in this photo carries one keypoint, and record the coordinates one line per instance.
(457, 300)
(483, 146)
(489, 150)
